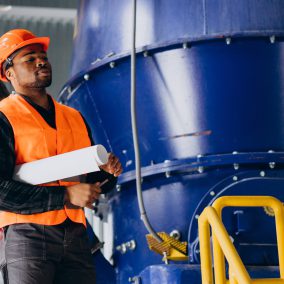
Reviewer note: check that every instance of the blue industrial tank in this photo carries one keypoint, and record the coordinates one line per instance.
(210, 98)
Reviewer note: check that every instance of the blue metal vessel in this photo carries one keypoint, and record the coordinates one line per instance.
(210, 95)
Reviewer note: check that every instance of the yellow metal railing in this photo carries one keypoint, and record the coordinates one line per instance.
(223, 246)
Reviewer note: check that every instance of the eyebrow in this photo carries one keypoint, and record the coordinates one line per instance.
(33, 52)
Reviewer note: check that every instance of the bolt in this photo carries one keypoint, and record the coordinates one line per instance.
(131, 245)
(212, 193)
(235, 178)
(112, 64)
(196, 216)
(123, 248)
(165, 258)
(262, 173)
(118, 187)
(272, 39)
(228, 40)
(168, 174)
(124, 151)
(199, 156)
(86, 77)
(185, 45)
(235, 152)
(145, 53)
(175, 234)
(236, 166)
(135, 279)
(270, 151)
(200, 169)
(272, 165)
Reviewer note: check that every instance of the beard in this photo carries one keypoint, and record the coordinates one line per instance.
(40, 82)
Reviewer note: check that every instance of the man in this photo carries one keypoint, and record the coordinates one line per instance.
(44, 237)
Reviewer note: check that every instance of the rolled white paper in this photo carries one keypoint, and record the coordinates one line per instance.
(62, 166)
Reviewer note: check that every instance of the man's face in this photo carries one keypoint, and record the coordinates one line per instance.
(31, 68)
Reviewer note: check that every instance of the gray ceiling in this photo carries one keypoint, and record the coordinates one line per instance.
(53, 18)
(42, 3)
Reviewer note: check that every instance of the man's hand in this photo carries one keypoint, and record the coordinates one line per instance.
(83, 194)
(113, 166)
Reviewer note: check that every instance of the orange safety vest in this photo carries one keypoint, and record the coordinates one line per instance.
(34, 140)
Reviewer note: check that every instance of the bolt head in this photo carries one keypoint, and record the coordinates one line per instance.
(262, 173)
(86, 77)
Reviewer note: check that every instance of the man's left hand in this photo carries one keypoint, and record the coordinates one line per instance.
(113, 166)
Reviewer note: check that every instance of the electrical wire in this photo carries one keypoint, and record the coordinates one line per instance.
(143, 214)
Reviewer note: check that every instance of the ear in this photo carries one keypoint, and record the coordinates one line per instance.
(10, 75)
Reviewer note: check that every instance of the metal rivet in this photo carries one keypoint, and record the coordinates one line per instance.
(272, 39)
(235, 152)
(175, 234)
(86, 77)
(112, 64)
(185, 45)
(272, 165)
(196, 216)
(228, 40)
(262, 173)
(236, 166)
(212, 193)
(168, 174)
(131, 245)
(235, 178)
(145, 53)
(200, 170)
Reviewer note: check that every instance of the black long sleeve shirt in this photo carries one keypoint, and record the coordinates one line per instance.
(24, 198)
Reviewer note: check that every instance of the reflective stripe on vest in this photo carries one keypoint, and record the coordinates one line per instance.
(34, 140)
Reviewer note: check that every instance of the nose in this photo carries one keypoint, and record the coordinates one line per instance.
(41, 63)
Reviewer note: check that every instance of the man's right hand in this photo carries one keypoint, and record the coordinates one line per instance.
(83, 194)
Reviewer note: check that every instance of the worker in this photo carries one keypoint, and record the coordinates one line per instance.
(44, 237)
(3, 91)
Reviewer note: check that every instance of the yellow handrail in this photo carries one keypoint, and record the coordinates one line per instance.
(210, 216)
(222, 245)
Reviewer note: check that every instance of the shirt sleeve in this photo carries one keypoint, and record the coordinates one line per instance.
(20, 197)
(100, 176)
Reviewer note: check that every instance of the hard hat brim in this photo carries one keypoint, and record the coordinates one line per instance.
(44, 41)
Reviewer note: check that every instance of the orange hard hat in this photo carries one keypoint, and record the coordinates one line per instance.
(13, 41)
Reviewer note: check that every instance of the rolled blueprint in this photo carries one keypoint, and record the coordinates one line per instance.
(63, 166)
